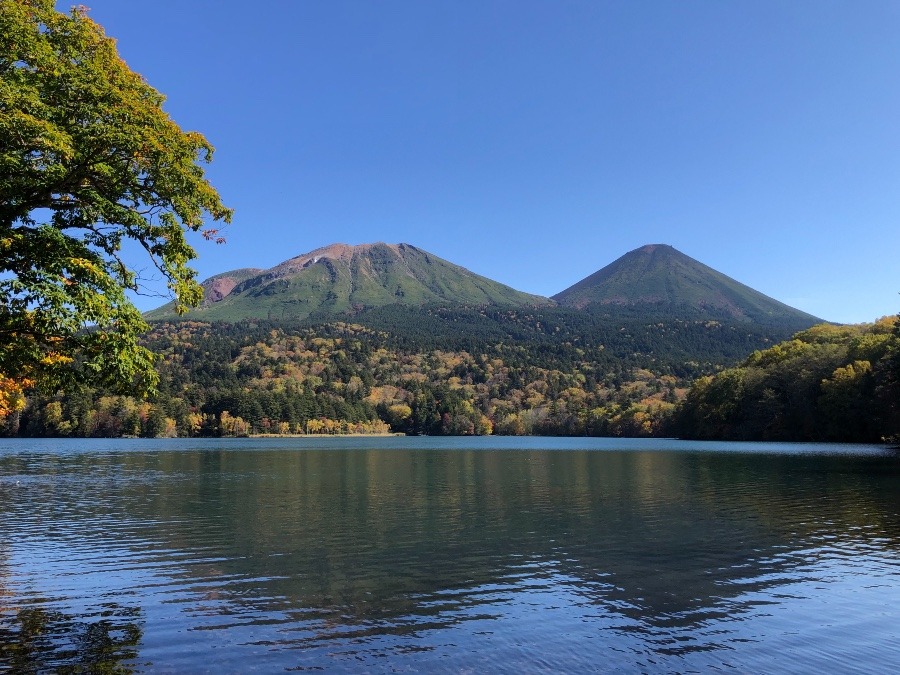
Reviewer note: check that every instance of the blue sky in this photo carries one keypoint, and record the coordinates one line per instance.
(535, 142)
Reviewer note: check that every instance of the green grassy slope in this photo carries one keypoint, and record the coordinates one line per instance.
(340, 279)
(659, 275)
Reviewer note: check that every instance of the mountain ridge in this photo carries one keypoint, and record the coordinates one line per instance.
(340, 279)
(661, 275)
(343, 280)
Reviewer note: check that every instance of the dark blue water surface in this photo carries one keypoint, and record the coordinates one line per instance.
(429, 555)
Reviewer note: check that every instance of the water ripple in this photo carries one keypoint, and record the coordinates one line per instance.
(460, 561)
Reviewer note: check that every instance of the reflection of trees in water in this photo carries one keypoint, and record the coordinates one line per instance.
(666, 540)
(349, 544)
(39, 639)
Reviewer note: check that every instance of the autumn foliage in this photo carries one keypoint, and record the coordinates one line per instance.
(88, 161)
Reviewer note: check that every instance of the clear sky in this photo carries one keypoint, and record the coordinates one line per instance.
(535, 142)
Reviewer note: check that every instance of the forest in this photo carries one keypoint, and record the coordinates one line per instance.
(458, 370)
(434, 370)
(828, 383)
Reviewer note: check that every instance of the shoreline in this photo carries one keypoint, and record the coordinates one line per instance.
(387, 435)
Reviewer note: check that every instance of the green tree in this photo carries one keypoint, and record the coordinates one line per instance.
(88, 160)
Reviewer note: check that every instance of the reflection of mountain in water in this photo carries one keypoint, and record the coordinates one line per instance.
(353, 544)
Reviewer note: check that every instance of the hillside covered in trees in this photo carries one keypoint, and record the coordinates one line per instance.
(828, 383)
(480, 370)
(433, 370)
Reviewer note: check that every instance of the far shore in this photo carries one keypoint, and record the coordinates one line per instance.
(387, 435)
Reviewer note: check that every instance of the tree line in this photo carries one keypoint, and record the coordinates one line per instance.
(339, 377)
(828, 382)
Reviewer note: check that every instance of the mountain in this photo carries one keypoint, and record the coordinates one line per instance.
(654, 282)
(382, 335)
(660, 279)
(341, 279)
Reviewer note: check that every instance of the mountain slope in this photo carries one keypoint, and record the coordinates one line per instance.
(341, 279)
(661, 278)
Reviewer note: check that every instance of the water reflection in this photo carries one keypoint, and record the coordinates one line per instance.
(36, 639)
(464, 559)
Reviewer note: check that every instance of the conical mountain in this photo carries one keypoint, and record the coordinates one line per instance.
(661, 279)
(341, 279)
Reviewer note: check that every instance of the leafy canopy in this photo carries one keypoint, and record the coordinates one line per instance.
(88, 160)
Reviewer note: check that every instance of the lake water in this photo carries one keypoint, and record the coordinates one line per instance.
(461, 555)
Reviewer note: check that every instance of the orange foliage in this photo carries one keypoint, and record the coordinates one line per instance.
(12, 396)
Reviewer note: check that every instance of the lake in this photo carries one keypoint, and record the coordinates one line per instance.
(448, 554)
